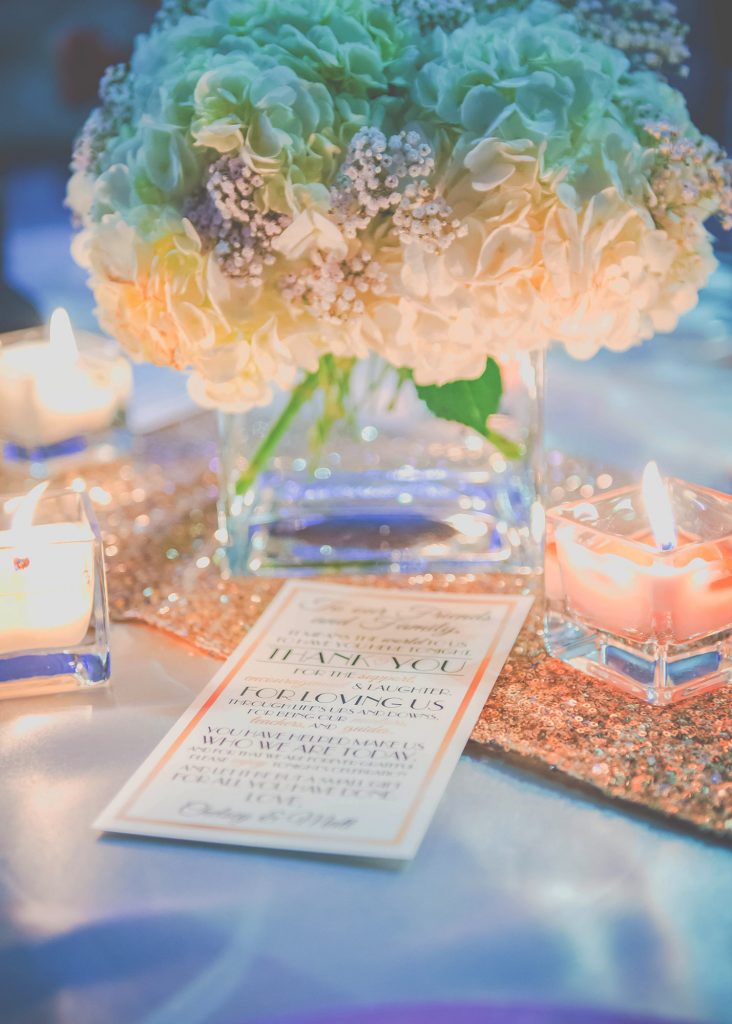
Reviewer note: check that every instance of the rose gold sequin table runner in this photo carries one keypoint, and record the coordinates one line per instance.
(157, 510)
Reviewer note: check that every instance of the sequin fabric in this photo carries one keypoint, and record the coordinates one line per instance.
(164, 562)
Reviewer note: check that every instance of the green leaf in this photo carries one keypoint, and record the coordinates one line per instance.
(472, 402)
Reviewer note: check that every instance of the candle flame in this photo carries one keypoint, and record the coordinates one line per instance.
(61, 335)
(23, 509)
(658, 508)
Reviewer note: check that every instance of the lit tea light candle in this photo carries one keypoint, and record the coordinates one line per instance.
(46, 579)
(50, 391)
(642, 579)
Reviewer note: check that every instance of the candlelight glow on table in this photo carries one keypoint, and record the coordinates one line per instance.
(55, 397)
(53, 601)
(639, 588)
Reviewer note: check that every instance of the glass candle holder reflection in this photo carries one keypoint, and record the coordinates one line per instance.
(639, 588)
(53, 599)
(58, 400)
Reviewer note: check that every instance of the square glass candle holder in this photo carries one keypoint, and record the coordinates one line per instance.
(61, 410)
(54, 624)
(655, 623)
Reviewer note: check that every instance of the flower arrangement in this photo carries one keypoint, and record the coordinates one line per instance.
(274, 189)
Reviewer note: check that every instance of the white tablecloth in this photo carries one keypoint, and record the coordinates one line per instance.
(521, 891)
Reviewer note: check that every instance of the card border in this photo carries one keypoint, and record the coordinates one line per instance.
(118, 809)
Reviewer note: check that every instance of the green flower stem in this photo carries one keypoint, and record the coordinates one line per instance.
(333, 376)
(300, 395)
(511, 449)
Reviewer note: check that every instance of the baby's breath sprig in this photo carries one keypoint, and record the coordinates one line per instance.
(691, 176)
(390, 176)
(425, 218)
(373, 174)
(115, 89)
(649, 32)
(106, 121)
(332, 289)
(227, 216)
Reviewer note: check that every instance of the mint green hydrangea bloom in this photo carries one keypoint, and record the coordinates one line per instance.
(289, 83)
(531, 75)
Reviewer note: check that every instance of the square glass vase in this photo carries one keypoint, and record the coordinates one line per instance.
(388, 486)
(657, 624)
(54, 625)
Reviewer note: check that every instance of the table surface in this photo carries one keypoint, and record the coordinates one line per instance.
(521, 892)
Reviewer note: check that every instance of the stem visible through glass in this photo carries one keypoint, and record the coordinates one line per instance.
(333, 377)
(299, 396)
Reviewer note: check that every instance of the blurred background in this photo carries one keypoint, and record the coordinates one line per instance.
(52, 53)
